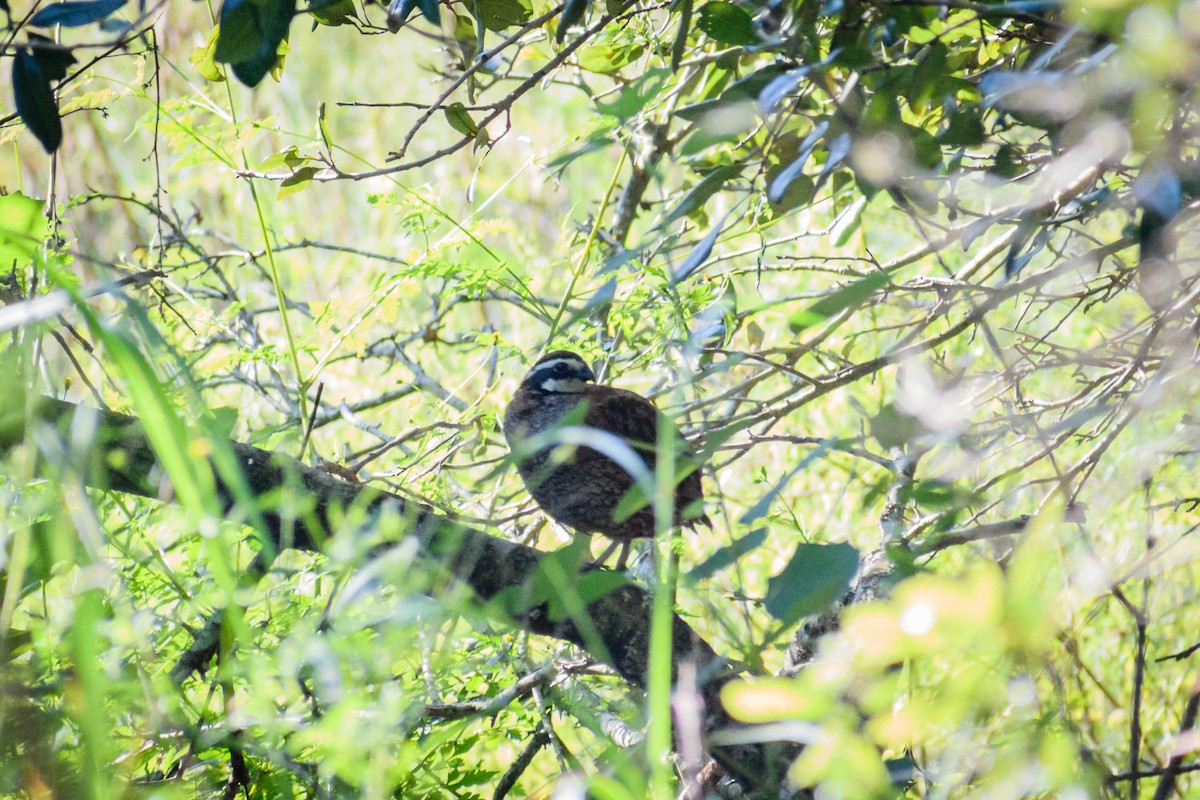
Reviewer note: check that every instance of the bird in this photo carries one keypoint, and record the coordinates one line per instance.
(584, 489)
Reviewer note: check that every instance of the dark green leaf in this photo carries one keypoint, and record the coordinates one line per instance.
(727, 23)
(250, 34)
(594, 585)
(849, 296)
(699, 195)
(333, 12)
(780, 183)
(74, 13)
(927, 151)
(839, 148)
(699, 254)
(239, 36)
(593, 145)
(35, 100)
(53, 58)
(497, 15)
(431, 10)
(964, 128)
(296, 181)
(817, 575)
(572, 14)
(728, 554)
(460, 119)
(397, 13)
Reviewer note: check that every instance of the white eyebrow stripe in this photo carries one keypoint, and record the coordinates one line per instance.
(554, 362)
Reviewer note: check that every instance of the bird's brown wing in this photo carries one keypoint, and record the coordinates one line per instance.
(636, 420)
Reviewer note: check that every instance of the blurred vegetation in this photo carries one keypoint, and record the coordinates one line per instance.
(914, 275)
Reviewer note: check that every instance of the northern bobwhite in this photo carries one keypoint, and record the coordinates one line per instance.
(584, 490)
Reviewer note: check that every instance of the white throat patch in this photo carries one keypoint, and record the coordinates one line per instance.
(563, 385)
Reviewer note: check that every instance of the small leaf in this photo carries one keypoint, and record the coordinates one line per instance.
(634, 97)
(839, 148)
(203, 58)
(975, 230)
(699, 254)
(499, 15)
(35, 100)
(1015, 261)
(780, 87)
(572, 14)
(728, 554)
(22, 229)
(605, 59)
(848, 222)
(594, 144)
(460, 120)
(727, 23)
(817, 575)
(398, 12)
(74, 13)
(701, 192)
(783, 180)
(851, 295)
(298, 180)
(333, 12)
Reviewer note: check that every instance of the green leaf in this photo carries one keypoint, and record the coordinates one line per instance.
(849, 296)
(460, 120)
(22, 229)
(74, 13)
(847, 223)
(431, 10)
(894, 428)
(203, 58)
(53, 58)
(608, 58)
(634, 97)
(238, 35)
(498, 15)
(727, 23)
(251, 32)
(816, 576)
(927, 151)
(699, 195)
(300, 179)
(35, 101)
(333, 12)
(572, 14)
(964, 128)
(728, 554)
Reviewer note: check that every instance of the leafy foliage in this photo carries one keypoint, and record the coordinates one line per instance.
(915, 277)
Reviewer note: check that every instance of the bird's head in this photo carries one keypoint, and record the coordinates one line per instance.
(559, 372)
